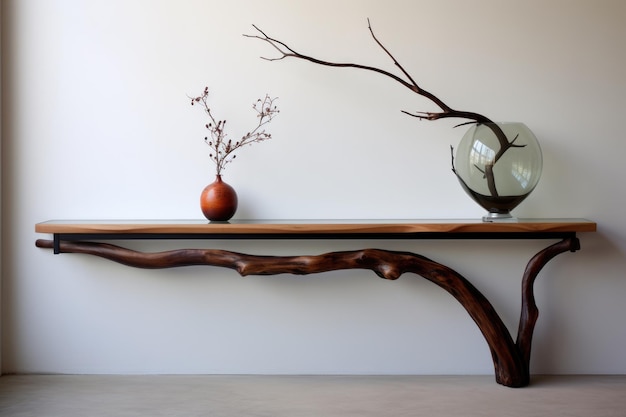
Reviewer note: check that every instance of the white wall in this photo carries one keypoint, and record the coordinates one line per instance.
(1, 187)
(97, 124)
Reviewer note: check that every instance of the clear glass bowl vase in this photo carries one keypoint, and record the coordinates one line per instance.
(498, 165)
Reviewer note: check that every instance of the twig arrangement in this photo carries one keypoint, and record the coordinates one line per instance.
(285, 51)
(222, 149)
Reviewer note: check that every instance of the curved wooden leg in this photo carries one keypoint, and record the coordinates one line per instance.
(530, 312)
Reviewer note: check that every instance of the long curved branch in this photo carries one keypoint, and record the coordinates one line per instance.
(286, 51)
(510, 369)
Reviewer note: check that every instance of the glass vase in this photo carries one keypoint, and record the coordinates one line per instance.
(498, 165)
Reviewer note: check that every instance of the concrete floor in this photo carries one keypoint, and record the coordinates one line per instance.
(300, 396)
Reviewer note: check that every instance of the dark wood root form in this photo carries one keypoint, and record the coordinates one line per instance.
(511, 359)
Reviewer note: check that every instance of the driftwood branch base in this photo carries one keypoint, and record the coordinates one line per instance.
(511, 358)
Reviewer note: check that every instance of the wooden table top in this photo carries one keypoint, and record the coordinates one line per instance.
(312, 227)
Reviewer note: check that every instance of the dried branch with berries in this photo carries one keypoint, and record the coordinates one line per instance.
(222, 148)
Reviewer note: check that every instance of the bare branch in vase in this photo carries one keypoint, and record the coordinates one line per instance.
(286, 51)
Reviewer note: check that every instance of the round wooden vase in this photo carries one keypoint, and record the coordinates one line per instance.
(218, 200)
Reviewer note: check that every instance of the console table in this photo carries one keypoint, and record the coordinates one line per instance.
(511, 358)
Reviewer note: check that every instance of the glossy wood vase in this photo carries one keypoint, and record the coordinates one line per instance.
(218, 201)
